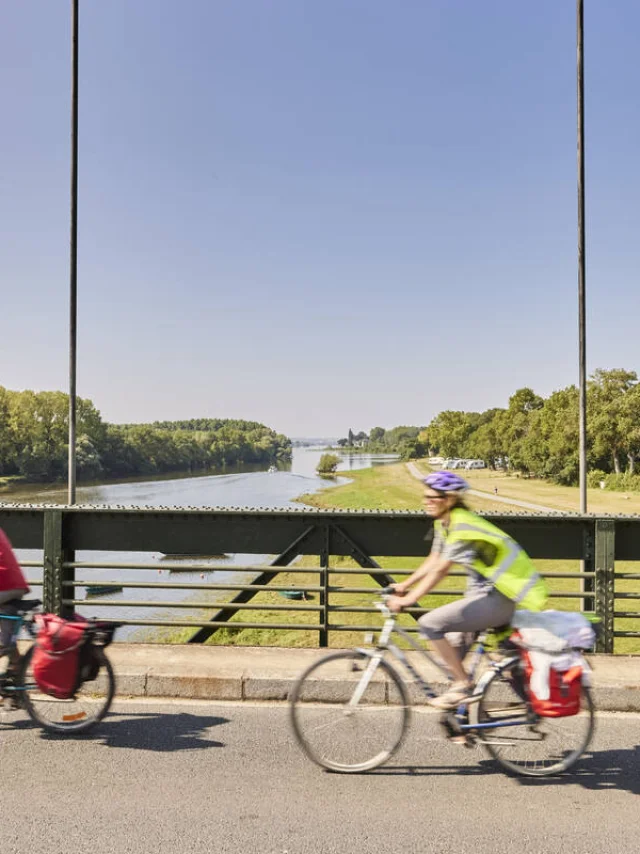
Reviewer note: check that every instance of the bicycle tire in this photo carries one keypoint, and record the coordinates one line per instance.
(78, 714)
(518, 754)
(322, 694)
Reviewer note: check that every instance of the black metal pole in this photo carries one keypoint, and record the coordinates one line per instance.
(73, 283)
(581, 264)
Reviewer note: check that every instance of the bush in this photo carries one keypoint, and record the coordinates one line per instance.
(624, 482)
(328, 464)
(595, 476)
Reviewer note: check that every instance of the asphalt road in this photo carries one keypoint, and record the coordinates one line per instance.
(193, 777)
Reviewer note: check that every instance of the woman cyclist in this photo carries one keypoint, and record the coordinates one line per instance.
(501, 577)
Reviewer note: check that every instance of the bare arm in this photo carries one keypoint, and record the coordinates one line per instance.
(433, 575)
(424, 568)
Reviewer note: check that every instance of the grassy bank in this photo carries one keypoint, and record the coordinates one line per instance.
(537, 491)
(9, 482)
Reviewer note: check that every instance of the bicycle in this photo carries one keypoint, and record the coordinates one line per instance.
(349, 700)
(93, 697)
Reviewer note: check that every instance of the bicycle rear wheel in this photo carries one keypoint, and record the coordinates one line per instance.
(539, 747)
(349, 711)
(79, 713)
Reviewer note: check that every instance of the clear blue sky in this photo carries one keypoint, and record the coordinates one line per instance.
(319, 214)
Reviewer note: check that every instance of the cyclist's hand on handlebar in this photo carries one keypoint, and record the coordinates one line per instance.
(397, 603)
(397, 589)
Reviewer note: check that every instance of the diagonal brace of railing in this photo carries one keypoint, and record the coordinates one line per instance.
(264, 578)
(367, 562)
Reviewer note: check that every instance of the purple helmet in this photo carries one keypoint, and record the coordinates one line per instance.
(446, 481)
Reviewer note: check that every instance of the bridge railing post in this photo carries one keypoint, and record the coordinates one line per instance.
(323, 638)
(52, 563)
(605, 582)
(55, 570)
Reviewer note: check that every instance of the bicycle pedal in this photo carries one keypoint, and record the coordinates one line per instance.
(462, 740)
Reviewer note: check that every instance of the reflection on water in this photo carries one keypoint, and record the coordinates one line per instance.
(239, 489)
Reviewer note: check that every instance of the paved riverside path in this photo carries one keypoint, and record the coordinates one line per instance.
(414, 471)
(204, 778)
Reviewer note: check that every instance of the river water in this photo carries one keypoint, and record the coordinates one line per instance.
(241, 488)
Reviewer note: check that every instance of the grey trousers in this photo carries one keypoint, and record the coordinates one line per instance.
(460, 621)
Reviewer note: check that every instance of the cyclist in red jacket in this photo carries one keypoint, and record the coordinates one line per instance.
(13, 585)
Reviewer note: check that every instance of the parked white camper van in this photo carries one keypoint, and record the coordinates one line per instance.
(475, 464)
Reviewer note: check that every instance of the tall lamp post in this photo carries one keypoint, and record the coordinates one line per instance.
(73, 283)
(581, 264)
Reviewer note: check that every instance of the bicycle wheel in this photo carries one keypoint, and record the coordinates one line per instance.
(79, 713)
(349, 711)
(539, 747)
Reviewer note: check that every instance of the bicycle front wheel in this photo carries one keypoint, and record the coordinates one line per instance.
(79, 713)
(537, 747)
(349, 711)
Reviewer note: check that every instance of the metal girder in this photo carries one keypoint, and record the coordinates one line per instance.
(204, 531)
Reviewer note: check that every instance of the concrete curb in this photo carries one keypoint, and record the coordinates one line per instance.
(267, 674)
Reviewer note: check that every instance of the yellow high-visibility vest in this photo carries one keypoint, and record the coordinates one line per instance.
(512, 571)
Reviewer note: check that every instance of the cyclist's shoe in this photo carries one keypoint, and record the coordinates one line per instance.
(458, 693)
(12, 697)
(13, 702)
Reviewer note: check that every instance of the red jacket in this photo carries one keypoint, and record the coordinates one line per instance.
(11, 577)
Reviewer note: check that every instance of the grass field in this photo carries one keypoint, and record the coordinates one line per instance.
(548, 494)
(391, 487)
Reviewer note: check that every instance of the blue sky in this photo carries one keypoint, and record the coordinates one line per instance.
(319, 215)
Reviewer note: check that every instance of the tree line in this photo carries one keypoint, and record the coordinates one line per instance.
(539, 436)
(534, 435)
(34, 441)
(403, 440)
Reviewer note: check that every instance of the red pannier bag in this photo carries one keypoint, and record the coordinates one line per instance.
(565, 690)
(56, 656)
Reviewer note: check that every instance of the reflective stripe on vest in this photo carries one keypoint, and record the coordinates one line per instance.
(511, 557)
(531, 583)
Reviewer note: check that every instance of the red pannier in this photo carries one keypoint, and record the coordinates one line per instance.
(565, 690)
(56, 656)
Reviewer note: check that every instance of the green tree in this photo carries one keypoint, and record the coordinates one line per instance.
(611, 416)
(449, 431)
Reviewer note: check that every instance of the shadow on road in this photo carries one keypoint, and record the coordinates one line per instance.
(605, 769)
(164, 733)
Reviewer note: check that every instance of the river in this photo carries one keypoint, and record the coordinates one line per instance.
(240, 488)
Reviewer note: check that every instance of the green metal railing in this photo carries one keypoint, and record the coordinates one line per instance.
(605, 586)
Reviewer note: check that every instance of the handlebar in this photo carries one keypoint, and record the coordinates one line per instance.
(385, 594)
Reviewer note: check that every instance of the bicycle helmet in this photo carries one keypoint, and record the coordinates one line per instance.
(446, 481)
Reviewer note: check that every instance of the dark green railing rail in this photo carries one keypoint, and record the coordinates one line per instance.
(607, 586)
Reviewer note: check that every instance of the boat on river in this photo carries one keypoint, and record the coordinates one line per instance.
(103, 589)
(295, 594)
(222, 556)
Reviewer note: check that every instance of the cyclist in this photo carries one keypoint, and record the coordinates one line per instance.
(501, 577)
(13, 585)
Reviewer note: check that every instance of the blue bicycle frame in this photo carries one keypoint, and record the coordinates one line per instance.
(5, 689)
